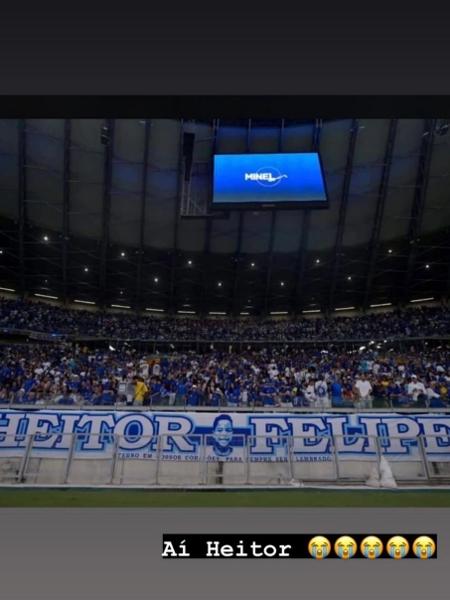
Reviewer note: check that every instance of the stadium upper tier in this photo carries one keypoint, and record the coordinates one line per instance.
(22, 315)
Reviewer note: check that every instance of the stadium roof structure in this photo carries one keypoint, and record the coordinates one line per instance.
(90, 210)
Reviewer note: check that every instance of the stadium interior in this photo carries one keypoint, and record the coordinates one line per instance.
(122, 286)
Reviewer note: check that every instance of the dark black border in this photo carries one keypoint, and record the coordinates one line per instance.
(225, 107)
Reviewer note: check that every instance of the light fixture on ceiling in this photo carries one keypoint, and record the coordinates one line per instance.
(47, 296)
(442, 128)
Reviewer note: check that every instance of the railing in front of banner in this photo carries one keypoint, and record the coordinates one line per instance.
(105, 459)
(174, 402)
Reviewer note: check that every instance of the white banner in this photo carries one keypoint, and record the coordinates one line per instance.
(228, 437)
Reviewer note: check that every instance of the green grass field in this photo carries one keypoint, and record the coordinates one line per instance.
(257, 498)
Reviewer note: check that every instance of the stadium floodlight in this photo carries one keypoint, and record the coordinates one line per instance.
(422, 300)
(120, 306)
(46, 296)
(155, 310)
(314, 310)
(105, 135)
(4, 289)
(84, 301)
(381, 304)
(345, 308)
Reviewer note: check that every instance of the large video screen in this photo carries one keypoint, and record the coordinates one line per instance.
(268, 181)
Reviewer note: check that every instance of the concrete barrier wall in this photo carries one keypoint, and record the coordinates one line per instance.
(107, 469)
(53, 471)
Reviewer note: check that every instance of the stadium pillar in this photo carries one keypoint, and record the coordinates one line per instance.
(142, 216)
(237, 255)
(448, 284)
(108, 140)
(22, 184)
(336, 259)
(273, 223)
(269, 263)
(420, 192)
(208, 226)
(66, 205)
(176, 221)
(381, 201)
(304, 235)
(237, 262)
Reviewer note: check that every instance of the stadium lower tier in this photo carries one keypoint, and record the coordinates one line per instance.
(371, 377)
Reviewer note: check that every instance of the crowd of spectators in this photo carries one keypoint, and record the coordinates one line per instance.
(377, 376)
(46, 318)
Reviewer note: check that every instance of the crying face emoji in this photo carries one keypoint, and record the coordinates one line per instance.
(319, 547)
(424, 547)
(371, 547)
(345, 547)
(397, 547)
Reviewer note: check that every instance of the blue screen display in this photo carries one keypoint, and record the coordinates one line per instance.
(271, 179)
